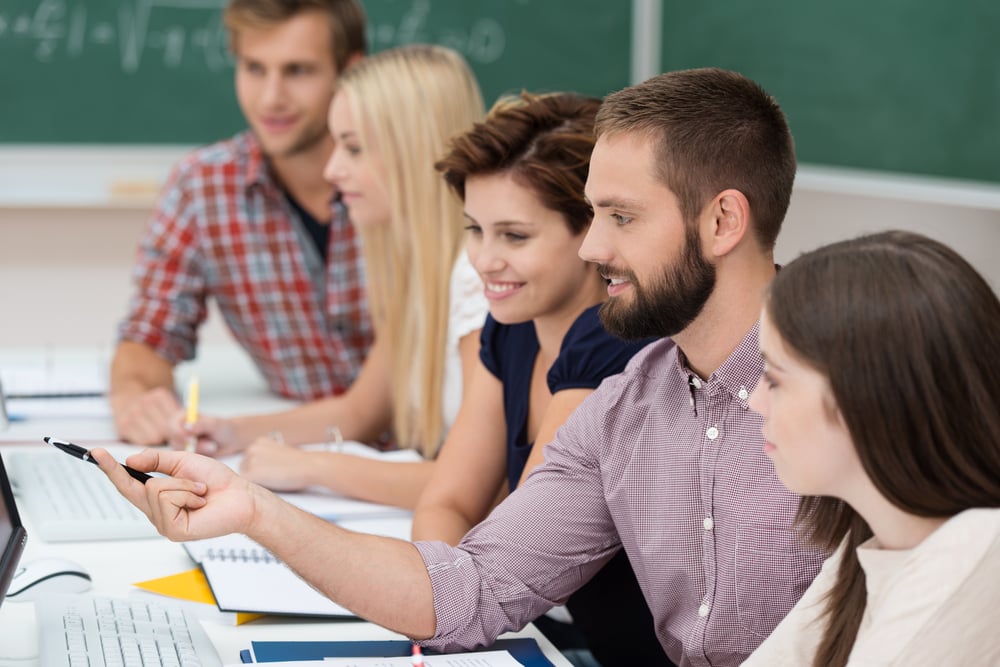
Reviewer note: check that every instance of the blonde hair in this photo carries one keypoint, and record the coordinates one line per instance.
(410, 101)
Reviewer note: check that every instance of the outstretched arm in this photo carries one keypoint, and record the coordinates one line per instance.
(282, 468)
(142, 394)
(380, 579)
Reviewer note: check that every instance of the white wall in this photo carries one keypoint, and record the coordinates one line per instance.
(65, 272)
(816, 218)
(65, 275)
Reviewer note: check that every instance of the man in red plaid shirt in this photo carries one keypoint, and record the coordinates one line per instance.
(251, 223)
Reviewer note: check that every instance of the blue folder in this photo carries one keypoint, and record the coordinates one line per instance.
(524, 649)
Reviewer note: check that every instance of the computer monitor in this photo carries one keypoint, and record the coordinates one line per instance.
(12, 533)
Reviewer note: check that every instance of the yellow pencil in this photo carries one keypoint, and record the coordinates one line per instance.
(192, 412)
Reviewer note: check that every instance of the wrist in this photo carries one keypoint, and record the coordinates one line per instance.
(264, 510)
(329, 470)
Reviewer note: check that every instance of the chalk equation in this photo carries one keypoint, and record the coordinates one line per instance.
(171, 32)
(482, 41)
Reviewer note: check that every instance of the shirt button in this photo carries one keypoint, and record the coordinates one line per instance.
(708, 523)
(712, 433)
(703, 610)
(696, 382)
(743, 393)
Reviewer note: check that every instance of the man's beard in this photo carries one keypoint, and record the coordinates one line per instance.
(669, 304)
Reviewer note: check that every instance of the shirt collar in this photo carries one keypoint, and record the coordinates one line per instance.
(738, 374)
(257, 171)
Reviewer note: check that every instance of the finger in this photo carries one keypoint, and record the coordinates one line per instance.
(180, 435)
(131, 428)
(170, 500)
(177, 436)
(247, 464)
(156, 460)
(150, 433)
(132, 489)
(200, 430)
(158, 413)
(160, 485)
(175, 507)
(207, 446)
(147, 429)
(164, 401)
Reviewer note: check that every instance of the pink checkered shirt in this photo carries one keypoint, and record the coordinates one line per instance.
(668, 466)
(223, 230)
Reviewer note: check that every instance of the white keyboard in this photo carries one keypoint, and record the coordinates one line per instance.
(93, 631)
(69, 500)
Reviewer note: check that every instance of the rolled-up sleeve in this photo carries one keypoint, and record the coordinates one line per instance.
(542, 543)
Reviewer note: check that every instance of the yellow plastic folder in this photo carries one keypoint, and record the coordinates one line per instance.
(192, 587)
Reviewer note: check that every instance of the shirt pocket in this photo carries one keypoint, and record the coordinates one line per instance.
(773, 570)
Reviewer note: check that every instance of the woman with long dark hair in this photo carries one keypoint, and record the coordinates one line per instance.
(881, 400)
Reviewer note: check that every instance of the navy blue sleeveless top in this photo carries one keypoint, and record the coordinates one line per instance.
(588, 355)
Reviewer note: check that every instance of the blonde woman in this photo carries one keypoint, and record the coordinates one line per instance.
(391, 117)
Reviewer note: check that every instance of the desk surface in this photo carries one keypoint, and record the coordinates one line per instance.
(114, 566)
(229, 385)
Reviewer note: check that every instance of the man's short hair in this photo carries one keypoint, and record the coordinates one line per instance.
(712, 130)
(347, 22)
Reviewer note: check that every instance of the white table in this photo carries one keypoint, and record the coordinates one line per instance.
(229, 385)
(114, 566)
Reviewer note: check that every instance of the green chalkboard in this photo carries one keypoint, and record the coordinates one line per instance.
(158, 71)
(900, 85)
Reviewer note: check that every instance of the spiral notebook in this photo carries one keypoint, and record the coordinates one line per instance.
(246, 577)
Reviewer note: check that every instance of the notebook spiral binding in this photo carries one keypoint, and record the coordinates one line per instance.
(245, 555)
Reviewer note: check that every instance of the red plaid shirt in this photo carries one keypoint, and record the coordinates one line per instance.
(668, 466)
(224, 230)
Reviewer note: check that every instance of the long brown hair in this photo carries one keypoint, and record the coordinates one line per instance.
(905, 330)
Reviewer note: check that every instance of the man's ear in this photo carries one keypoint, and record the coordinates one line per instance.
(730, 221)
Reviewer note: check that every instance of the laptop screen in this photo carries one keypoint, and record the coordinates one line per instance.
(12, 533)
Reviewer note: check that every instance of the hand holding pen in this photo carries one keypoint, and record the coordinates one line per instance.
(194, 497)
(204, 434)
(84, 454)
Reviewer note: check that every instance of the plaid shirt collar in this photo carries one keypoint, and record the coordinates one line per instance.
(257, 170)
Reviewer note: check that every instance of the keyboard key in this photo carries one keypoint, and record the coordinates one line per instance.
(68, 500)
(93, 630)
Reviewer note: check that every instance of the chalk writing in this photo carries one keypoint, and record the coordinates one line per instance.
(172, 32)
(482, 42)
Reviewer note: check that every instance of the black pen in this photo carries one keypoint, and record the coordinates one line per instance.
(81, 453)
